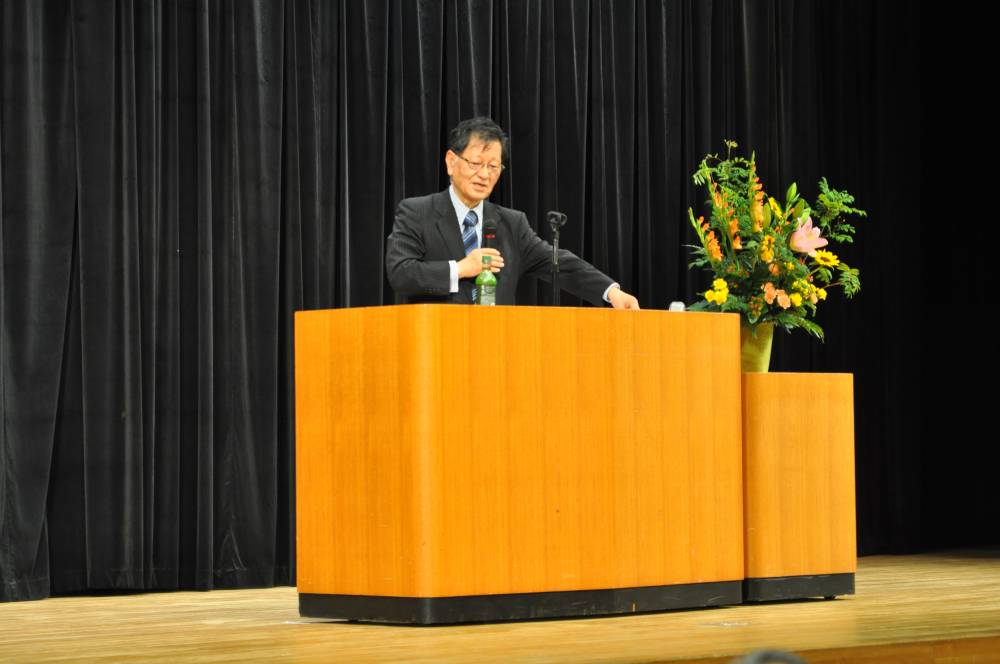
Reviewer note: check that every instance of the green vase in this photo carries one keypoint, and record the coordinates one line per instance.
(755, 349)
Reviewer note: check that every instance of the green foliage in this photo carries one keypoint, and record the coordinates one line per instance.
(850, 279)
(746, 242)
(791, 321)
(831, 208)
(734, 304)
(800, 209)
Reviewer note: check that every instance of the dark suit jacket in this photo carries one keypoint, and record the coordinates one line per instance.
(426, 235)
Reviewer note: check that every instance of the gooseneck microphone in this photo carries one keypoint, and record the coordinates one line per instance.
(556, 221)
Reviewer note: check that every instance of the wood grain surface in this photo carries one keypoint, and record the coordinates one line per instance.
(449, 450)
(942, 607)
(798, 437)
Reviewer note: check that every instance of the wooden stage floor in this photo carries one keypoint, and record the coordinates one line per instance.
(942, 607)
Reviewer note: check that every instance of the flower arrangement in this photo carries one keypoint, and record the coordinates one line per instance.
(772, 263)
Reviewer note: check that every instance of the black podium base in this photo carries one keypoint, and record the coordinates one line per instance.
(490, 608)
(797, 587)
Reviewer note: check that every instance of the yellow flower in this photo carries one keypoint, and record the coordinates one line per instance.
(775, 207)
(767, 249)
(720, 292)
(717, 297)
(796, 299)
(821, 292)
(826, 258)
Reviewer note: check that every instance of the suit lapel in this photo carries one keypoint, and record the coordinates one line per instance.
(448, 225)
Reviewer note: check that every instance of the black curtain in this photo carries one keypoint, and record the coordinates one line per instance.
(178, 177)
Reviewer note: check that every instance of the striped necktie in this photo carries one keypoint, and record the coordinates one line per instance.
(469, 238)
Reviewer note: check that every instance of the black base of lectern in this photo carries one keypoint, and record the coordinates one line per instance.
(797, 587)
(490, 608)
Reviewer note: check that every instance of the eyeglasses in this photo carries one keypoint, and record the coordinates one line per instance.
(492, 169)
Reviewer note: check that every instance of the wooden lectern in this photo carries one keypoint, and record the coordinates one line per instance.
(459, 463)
(798, 438)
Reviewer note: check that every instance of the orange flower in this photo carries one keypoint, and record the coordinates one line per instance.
(774, 269)
(769, 292)
(737, 242)
(757, 212)
(713, 246)
(783, 301)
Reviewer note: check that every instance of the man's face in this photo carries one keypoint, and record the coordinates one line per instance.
(471, 185)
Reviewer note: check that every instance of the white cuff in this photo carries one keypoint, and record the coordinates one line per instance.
(608, 290)
(453, 277)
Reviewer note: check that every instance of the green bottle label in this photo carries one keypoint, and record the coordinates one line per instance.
(487, 294)
(486, 284)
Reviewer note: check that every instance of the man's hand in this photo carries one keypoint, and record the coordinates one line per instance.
(472, 265)
(622, 300)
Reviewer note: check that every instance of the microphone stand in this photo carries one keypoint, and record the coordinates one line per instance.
(556, 221)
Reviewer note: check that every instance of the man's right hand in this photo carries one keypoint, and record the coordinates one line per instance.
(472, 264)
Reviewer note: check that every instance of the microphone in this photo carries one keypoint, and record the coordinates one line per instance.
(556, 220)
(489, 233)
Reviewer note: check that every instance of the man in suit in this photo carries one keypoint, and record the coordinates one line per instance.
(434, 252)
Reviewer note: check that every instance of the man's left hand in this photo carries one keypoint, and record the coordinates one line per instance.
(621, 300)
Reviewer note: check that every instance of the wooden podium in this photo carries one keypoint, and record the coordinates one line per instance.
(798, 439)
(459, 463)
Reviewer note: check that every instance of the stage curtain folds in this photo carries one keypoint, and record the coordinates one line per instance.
(177, 177)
